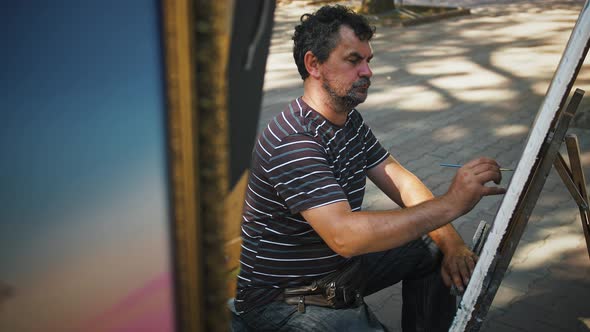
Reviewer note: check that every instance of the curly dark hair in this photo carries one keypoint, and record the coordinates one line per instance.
(319, 33)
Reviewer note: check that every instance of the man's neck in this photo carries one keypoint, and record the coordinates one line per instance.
(318, 99)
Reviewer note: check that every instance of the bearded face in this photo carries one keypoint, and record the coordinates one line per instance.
(347, 98)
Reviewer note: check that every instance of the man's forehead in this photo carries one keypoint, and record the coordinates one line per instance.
(349, 43)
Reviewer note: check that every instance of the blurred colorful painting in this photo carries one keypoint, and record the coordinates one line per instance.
(84, 198)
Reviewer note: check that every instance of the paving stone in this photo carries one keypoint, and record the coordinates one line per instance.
(521, 279)
(506, 295)
(499, 326)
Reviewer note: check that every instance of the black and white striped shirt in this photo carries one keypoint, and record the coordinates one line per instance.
(300, 161)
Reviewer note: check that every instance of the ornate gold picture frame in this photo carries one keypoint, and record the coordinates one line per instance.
(195, 37)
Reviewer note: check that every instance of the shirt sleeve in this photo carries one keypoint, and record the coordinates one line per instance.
(299, 171)
(375, 151)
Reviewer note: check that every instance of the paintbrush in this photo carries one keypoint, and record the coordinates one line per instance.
(458, 165)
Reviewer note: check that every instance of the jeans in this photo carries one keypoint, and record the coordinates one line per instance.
(427, 304)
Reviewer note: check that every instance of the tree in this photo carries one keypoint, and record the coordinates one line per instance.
(377, 6)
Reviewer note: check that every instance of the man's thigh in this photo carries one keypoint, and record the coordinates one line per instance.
(279, 316)
(414, 260)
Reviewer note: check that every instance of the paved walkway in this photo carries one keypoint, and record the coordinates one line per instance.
(452, 90)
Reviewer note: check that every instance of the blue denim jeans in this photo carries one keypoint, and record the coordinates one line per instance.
(427, 304)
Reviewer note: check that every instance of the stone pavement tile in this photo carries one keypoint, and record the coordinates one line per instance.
(536, 233)
(443, 151)
(524, 253)
(467, 228)
(492, 321)
(554, 194)
(405, 153)
(536, 255)
(560, 224)
(387, 306)
(496, 153)
(437, 169)
(489, 203)
(425, 161)
(438, 183)
(521, 279)
(497, 326)
(527, 318)
(492, 324)
(533, 316)
(506, 295)
(375, 199)
(378, 201)
(445, 174)
(560, 298)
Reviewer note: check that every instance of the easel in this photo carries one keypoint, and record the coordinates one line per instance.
(572, 176)
(574, 180)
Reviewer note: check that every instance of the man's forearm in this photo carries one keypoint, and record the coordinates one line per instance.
(445, 236)
(371, 231)
(413, 192)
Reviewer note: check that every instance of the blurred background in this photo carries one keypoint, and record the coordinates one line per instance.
(84, 211)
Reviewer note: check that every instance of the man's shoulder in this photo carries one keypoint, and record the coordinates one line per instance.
(290, 125)
(292, 120)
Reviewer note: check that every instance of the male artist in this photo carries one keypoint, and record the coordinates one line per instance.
(302, 219)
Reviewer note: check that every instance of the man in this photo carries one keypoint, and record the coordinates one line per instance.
(302, 219)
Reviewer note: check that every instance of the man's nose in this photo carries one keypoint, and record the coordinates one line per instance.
(365, 71)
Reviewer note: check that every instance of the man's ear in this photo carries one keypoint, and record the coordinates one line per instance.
(311, 64)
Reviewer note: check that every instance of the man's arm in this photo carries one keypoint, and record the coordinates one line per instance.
(406, 189)
(353, 233)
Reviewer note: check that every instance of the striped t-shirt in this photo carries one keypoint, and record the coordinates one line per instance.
(300, 161)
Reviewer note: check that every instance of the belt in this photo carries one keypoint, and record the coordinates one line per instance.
(302, 300)
(311, 295)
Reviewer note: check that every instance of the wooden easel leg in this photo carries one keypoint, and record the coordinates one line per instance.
(573, 150)
(575, 182)
(566, 176)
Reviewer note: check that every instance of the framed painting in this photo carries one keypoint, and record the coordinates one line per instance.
(86, 207)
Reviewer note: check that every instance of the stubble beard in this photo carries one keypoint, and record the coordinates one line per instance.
(356, 95)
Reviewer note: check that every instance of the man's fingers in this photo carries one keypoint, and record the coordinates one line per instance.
(464, 270)
(490, 175)
(490, 191)
(446, 277)
(481, 160)
(455, 273)
(488, 172)
(458, 280)
(482, 168)
(471, 260)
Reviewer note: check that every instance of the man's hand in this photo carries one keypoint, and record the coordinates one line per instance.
(457, 266)
(469, 184)
(466, 190)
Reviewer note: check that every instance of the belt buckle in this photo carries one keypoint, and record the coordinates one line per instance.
(331, 292)
(301, 304)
